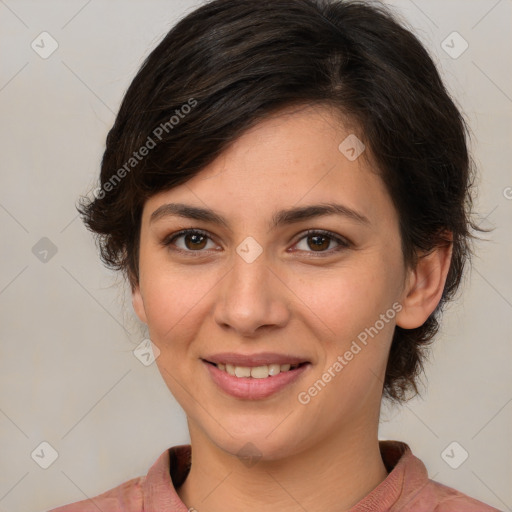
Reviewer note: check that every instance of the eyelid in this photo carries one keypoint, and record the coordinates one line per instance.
(343, 242)
(168, 240)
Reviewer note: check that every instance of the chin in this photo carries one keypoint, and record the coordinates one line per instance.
(251, 451)
(256, 445)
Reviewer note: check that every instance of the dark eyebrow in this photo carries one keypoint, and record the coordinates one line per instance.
(280, 218)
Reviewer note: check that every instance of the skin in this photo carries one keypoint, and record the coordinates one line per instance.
(294, 298)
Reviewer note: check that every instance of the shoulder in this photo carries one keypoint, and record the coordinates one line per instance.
(127, 497)
(432, 496)
(155, 491)
(409, 489)
(451, 500)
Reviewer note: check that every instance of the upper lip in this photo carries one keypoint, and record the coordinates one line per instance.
(251, 360)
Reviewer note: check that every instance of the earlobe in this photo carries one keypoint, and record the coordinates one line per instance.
(138, 304)
(425, 287)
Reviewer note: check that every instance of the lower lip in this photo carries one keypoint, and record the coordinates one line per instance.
(250, 388)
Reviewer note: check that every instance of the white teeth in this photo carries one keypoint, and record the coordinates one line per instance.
(256, 372)
(242, 371)
(274, 369)
(260, 372)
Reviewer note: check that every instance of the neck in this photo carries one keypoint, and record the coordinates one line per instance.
(334, 474)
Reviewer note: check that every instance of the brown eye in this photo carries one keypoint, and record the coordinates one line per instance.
(196, 240)
(319, 242)
(188, 240)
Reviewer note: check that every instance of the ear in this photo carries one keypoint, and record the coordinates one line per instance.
(425, 285)
(138, 303)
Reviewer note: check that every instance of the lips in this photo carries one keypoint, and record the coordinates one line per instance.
(254, 376)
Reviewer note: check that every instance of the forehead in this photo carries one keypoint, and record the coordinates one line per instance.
(297, 156)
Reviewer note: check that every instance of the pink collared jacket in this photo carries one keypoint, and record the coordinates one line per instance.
(407, 488)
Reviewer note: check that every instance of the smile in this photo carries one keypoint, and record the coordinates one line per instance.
(254, 382)
(256, 372)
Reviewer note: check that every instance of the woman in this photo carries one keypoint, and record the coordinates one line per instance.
(287, 189)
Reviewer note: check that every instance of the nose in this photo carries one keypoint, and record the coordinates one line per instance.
(252, 299)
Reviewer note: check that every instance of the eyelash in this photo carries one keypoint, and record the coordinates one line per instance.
(343, 243)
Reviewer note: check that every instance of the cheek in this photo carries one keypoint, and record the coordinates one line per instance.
(173, 300)
(347, 306)
(348, 299)
(353, 351)
(174, 304)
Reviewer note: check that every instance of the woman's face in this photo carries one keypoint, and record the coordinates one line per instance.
(258, 284)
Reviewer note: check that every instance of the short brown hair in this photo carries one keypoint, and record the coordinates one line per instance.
(235, 62)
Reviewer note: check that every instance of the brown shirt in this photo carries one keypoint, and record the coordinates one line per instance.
(407, 488)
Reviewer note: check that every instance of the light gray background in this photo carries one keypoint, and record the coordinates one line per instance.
(67, 372)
